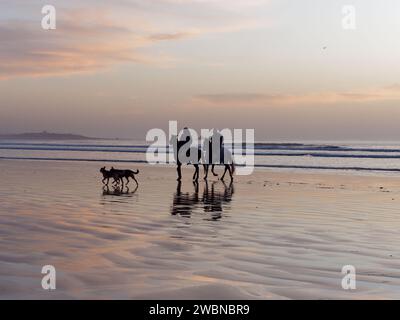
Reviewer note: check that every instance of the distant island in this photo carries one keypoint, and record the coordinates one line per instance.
(44, 136)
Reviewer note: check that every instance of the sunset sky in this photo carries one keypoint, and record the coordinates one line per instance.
(118, 68)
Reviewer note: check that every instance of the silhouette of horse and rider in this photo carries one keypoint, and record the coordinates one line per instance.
(214, 153)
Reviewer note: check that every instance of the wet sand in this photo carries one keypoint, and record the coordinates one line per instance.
(272, 235)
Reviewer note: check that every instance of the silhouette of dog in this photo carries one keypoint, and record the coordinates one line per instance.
(120, 174)
(107, 175)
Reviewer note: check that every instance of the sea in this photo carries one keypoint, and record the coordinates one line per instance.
(359, 157)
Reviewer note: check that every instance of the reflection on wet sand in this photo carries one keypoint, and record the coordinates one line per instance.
(280, 236)
(118, 191)
(212, 200)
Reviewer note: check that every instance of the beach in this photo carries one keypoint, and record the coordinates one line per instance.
(270, 235)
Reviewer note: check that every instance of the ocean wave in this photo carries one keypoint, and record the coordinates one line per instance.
(143, 149)
(144, 146)
(344, 168)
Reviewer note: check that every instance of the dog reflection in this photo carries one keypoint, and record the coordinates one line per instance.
(211, 201)
(118, 191)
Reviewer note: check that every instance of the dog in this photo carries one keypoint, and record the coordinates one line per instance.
(120, 174)
(107, 175)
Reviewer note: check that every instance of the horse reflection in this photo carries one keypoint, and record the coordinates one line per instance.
(211, 201)
(214, 200)
(118, 191)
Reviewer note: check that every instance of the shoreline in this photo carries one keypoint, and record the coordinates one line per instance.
(342, 171)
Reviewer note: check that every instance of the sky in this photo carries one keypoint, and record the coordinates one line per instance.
(288, 69)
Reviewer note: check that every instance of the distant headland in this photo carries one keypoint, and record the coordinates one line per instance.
(44, 135)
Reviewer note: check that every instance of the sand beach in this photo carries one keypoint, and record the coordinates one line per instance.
(271, 235)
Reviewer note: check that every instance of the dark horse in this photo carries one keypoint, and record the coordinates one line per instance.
(195, 156)
(191, 152)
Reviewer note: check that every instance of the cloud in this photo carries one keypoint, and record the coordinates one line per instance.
(92, 38)
(171, 36)
(260, 100)
(81, 43)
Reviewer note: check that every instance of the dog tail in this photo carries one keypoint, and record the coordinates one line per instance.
(137, 171)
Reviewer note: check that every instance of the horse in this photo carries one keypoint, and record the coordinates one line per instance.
(198, 156)
(226, 160)
(190, 151)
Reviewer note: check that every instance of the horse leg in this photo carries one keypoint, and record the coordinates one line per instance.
(206, 171)
(230, 172)
(196, 173)
(226, 169)
(196, 187)
(178, 169)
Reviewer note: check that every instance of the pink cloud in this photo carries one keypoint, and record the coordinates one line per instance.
(260, 100)
(88, 39)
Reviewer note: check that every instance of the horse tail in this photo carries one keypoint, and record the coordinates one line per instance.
(233, 167)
